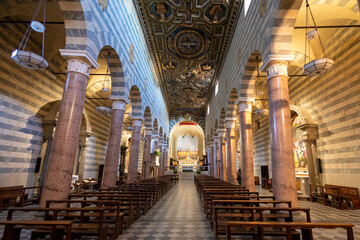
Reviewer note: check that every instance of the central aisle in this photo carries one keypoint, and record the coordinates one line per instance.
(177, 215)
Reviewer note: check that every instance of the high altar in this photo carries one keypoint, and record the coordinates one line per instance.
(187, 160)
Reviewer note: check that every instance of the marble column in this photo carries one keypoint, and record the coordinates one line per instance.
(160, 147)
(246, 144)
(113, 148)
(146, 153)
(282, 155)
(165, 158)
(231, 150)
(65, 143)
(156, 146)
(222, 154)
(134, 151)
(83, 143)
(48, 126)
(211, 160)
(310, 134)
(215, 156)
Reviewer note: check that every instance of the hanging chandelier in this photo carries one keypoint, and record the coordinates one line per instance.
(316, 66)
(29, 59)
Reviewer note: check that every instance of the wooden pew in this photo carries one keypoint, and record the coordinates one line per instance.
(8, 194)
(223, 214)
(305, 228)
(13, 228)
(317, 193)
(113, 216)
(81, 225)
(340, 195)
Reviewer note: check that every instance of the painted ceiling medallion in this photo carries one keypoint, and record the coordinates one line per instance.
(131, 53)
(188, 43)
(103, 4)
(187, 89)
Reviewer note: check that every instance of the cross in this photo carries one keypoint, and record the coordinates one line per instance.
(188, 12)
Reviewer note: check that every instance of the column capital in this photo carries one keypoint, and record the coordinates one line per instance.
(211, 143)
(276, 65)
(241, 100)
(245, 107)
(119, 98)
(230, 122)
(148, 131)
(221, 132)
(79, 54)
(78, 66)
(118, 105)
(137, 122)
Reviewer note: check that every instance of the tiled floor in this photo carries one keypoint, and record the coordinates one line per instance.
(179, 215)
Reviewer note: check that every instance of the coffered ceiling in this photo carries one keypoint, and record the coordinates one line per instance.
(188, 40)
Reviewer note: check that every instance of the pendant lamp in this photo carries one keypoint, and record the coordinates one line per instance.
(30, 59)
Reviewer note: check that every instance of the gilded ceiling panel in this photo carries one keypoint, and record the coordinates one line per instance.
(188, 40)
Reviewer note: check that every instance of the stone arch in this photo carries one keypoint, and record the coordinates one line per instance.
(216, 126)
(147, 117)
(161, 134)
(222, 119)
(231, 110)
(155, 126)
(164, 138)
(304, 115)
(281, 30)
(135, 99)
(250, 75)
(173, 121)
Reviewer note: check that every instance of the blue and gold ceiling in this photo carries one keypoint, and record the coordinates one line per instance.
(188, 40)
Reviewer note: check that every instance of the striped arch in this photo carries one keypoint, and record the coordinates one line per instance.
(155, 127)
(222, 119)
(250, 75)
(161, 133)
(74, 15)
(211, 134)
(174, 120)
(281, 30)
(164, 138)
(135, 98)
(231, 110)
(216, 126)
(147, 117)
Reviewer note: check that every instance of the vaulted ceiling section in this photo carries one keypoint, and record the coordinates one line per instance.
(188, 40)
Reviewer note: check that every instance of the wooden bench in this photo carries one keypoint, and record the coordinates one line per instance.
(57, 228)
(341, 195)
(112, 217)
(10, 195)
(317, 193)
(87, 221)
(224, 214)
(305, 228)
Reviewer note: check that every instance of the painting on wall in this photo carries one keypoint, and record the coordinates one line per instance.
(300, 157)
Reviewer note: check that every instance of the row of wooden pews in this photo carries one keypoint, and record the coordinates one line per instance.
(234, 211)
(104, 213)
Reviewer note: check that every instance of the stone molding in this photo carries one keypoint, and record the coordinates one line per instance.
(245, 107)
(118, 105)
(276, 65)
(137, 123)
(240, 100)
(148, 131)
(79, 54)
(277, 69)
(230, 122)
(124, 99)
(78, 66)
(271, 59)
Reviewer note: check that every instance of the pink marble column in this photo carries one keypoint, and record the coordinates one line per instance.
(222, 154)
(246, 144)
(215, 157)
(65, 142)
(134, 151)
(146, 154)
(231, 151)
(113, 148)
(165, 158)
(160, 147)
(211, 160)
(282, 155)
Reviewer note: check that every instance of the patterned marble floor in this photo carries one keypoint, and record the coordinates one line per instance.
(179, 215)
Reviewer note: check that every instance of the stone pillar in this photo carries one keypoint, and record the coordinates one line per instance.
(231, 151)
(156, 146)
(211, 160)
(83, 144)
(282, 155)
(65, 143)
(160, 147)
(215, 156)
(113, 148)
(310, 134)
(134, 151)
(146, 154)
(166, 164)
(246, 144)
(48, 126)
(222, 154)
